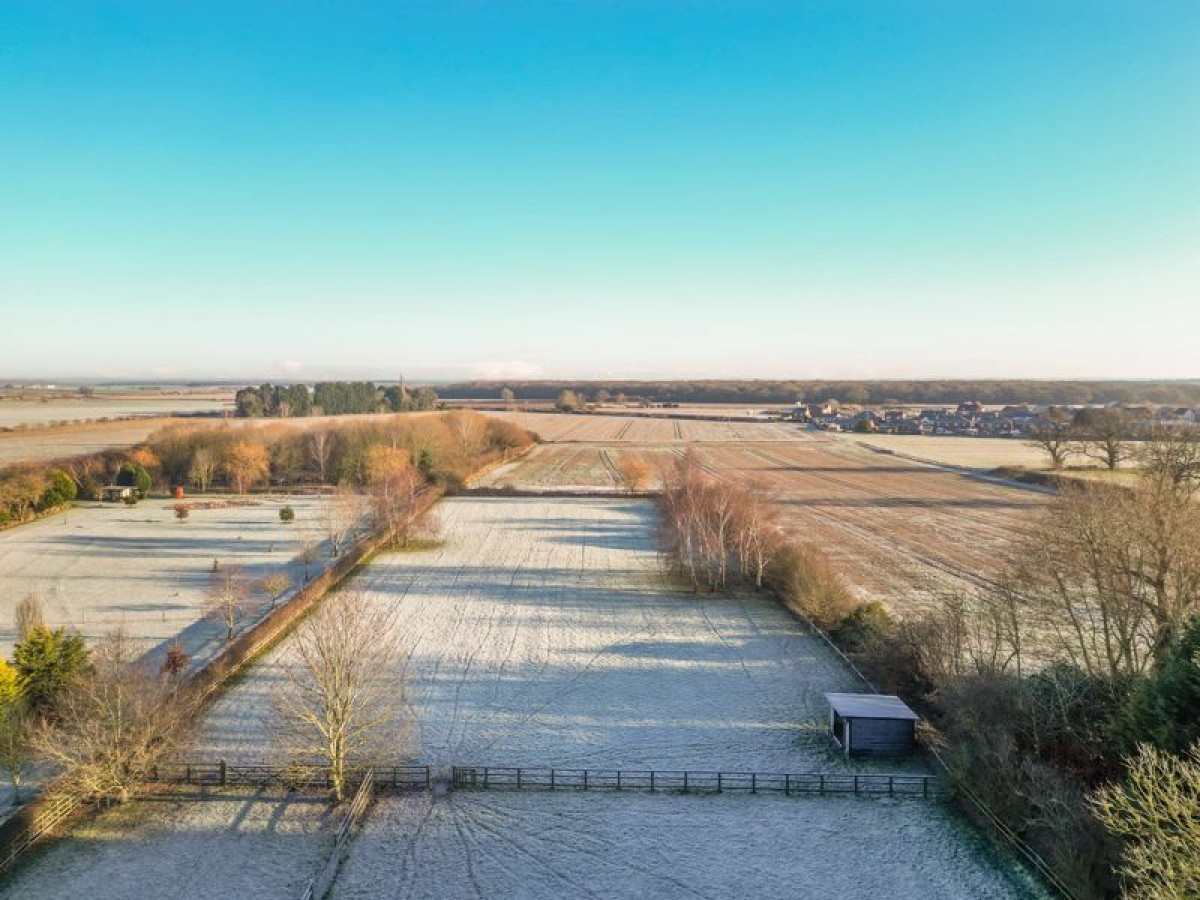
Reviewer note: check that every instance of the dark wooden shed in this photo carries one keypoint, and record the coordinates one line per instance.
(872, 724)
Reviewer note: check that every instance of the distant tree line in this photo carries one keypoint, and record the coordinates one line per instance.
(444, 449)
(933, 392)
(329, 398)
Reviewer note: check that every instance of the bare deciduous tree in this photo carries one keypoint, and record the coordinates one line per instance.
(114, 723)
(1113, 573)
(227, 600)
(1173, 455)
(275, 586)
(1104, 435)
(342, 698)
(1053, 434)
(396, 489)
(203, 468)
(320, 445)
(342, 514)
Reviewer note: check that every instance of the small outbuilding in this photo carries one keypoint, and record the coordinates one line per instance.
(115, 493)
(872, 724)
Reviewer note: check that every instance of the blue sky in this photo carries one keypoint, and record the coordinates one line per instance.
(600, 189)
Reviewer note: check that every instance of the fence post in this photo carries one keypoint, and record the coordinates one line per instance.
(855, 784)
(585, 779)
(428, 779)
(685, 781)
(891, 786)
(188, 777)
(719, 786)
(551, 779)
(822, 785)
(518, 779)
(753, 783)
(224, 773)
(618, 779)
(486, 785)
(787, 785)
(651, 781)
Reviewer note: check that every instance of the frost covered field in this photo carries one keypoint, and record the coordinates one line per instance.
(99, 566)
(667, 847)
(544, 632)
(221, 848)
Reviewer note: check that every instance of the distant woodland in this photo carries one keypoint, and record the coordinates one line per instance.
(1181, 393)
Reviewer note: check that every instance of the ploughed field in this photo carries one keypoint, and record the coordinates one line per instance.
(899, 531)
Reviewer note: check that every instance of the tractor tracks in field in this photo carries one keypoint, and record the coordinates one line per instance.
(886, 542)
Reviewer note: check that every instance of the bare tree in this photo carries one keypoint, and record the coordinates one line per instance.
(29, 615)
(757, 533)
(395, 487)
(1112, 573)
(342, 514)
(470, 432)
(309, 542)
(342, 699)
(1173, 455)
(1053, 434)
(114, 723)
(227, 600)
(275, 586)
(1104, 435)
(203, 468)
(320, 446)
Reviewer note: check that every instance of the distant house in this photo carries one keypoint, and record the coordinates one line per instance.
(115, 493)
(872, 724)
(970, 408)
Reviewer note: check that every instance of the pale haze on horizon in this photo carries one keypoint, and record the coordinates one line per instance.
(594, 190)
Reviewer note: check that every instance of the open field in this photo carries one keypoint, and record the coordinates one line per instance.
(223, 847)
(544, 631)
(899, 531)
(538, 847)
(96, 567)
(632, 429)
(55, 410)
(971, 452)
(78, 439)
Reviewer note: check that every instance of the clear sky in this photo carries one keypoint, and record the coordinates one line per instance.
(657, 189)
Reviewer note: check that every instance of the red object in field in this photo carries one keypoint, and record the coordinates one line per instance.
(179, 492)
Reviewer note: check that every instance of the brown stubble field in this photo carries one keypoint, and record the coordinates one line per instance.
(899, 531)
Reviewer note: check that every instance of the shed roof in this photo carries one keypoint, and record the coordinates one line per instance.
(870, 706)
